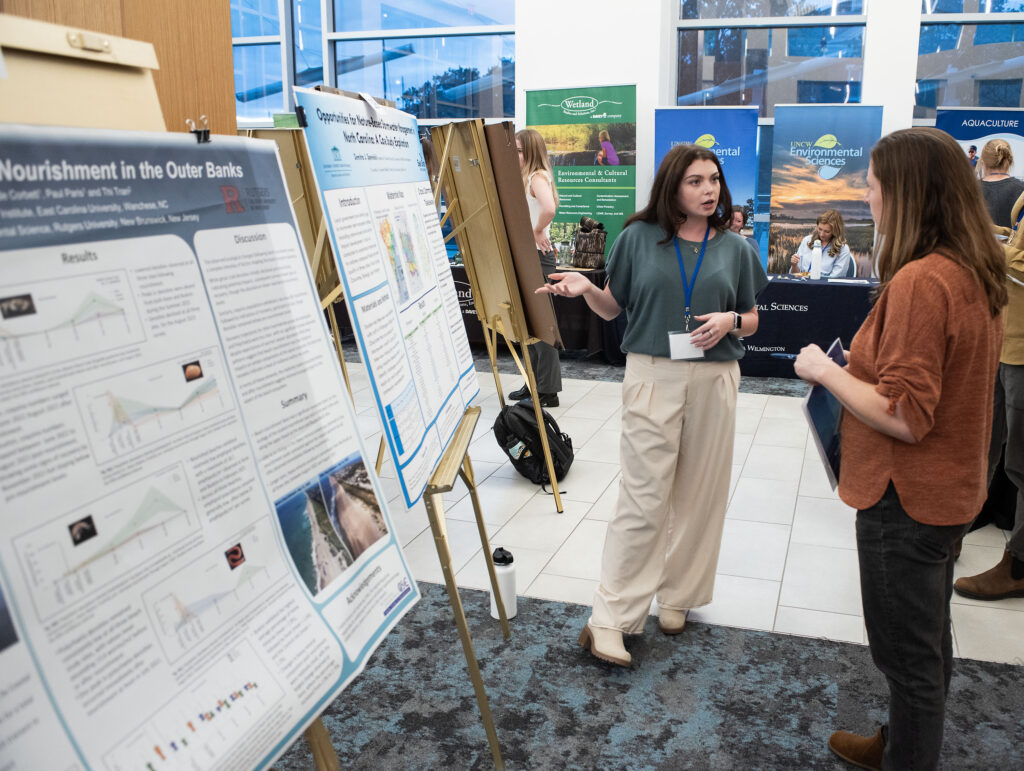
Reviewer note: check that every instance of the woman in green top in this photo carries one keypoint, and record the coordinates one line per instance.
(688, 286)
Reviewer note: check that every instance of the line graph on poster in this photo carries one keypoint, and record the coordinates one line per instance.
(202, 597)
(52, 320)
(142, 407)
(201, 726)
(68, 558)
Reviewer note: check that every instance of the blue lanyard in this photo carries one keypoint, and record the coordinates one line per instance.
(687, 285)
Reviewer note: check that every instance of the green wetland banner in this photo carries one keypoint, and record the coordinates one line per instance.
(590, 134)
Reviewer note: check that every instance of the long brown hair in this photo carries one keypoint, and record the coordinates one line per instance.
(663, 203)
(535, 158)
(834, 220)
(931, 202)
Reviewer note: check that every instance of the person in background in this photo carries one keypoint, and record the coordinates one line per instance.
(739, 219)
(972, 155)
(999, 189)
(1006, 578)
(835, 253)
(674, 258)
(606, 156)
(917, 405)
(542, 200)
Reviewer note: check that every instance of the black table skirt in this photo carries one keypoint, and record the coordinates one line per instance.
(580, 328)
(794, 312)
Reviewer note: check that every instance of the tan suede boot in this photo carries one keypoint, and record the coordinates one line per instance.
(861, 751)
(605, 644)
(995, 583)
(671, 621)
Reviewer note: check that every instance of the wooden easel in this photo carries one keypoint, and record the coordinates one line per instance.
(455, 462)
(491, 272)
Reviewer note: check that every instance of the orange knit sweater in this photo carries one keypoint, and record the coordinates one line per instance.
(930, 346)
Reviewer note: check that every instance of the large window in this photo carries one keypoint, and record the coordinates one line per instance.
(732, 9)
(969, 55)
(443, 60)
(436, 60)
(740, 53)
(258, 45)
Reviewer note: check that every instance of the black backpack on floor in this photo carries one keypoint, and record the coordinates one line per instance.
(516, 431)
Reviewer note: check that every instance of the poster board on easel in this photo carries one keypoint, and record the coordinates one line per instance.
(54, 75)
(60, 76)
(487, 223)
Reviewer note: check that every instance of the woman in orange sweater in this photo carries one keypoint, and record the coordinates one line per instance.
(917, 396)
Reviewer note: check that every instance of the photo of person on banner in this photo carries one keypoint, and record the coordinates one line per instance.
(836, 260)
(819, 161)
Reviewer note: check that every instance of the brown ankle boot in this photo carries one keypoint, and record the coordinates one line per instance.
(861, 751)
(995, 583)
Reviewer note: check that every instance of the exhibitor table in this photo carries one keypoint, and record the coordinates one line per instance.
(794, 312)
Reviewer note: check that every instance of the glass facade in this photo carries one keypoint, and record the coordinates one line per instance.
(374, 15)
(971, 6)
(434, 77)
(969, 65)
(254, 18)
(259, 91)
(758, 9)
(765, 66)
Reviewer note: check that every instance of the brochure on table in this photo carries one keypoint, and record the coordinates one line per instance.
(195, 557)
(394, 268)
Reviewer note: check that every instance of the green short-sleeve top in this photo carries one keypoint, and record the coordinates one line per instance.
(644, 278)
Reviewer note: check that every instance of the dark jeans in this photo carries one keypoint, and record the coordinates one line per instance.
(906, 579)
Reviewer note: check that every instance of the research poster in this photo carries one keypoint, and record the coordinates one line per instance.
(974, 126)
(820, 161)
(394, 267)
(729, 132)
(590, 135)
(195, 556)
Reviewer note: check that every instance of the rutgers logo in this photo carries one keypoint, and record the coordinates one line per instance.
(231, 202)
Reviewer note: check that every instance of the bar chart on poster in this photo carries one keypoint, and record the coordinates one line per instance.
(195, 557)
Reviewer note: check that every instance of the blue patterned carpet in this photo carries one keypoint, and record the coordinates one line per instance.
(712, 698)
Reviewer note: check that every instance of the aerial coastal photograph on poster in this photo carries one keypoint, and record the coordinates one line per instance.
(330, 522)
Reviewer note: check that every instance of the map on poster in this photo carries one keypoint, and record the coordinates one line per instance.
(394, 268)
(195, 558)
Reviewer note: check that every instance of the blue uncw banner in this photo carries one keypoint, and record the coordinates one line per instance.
(820, 160)
(976, 126)
(729, 132)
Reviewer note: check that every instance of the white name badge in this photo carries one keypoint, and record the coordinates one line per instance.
(681, 347)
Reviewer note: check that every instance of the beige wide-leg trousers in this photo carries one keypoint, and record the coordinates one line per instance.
(678, 426)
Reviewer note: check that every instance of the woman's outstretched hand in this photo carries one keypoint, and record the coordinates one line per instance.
(567, 285)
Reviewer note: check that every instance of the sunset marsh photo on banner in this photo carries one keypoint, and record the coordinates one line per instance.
(819, 162)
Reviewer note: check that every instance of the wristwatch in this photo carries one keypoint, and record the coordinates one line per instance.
(738, 321)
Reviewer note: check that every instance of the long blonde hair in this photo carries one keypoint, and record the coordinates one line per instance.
(535, 158)
(834, 220)
(931, 202)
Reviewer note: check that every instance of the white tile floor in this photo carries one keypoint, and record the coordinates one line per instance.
(788, 562)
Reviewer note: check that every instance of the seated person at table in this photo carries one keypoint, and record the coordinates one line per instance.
(739, 219)
(835, 254)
